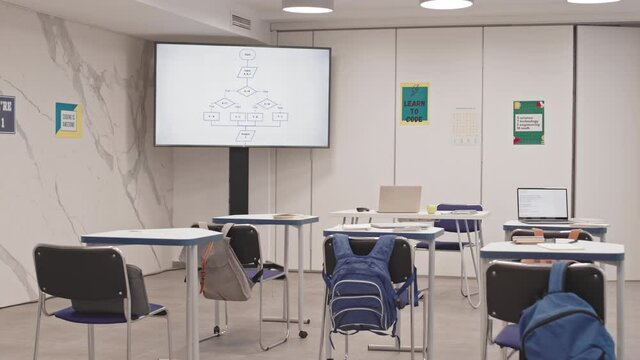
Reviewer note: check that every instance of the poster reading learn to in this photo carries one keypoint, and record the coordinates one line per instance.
(415, 103)
(528, 122)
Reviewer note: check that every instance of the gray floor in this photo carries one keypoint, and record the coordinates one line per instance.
(456, 336)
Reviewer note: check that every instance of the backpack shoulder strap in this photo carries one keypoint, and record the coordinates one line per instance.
(556, 277)
(203, 225)
(341, 246)
(225, 229)
(383, 248)
(574, 234)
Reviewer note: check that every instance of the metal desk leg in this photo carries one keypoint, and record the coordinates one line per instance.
(432, 289)
(484, 323)
(620, 310)
(303, 334)
(193, 348)
(282, 319)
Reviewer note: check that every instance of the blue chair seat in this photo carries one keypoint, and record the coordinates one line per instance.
(509, 337)
(69, 314)
(267, 274)
(443, 245)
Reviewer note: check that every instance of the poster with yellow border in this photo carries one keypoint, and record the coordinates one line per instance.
(414, 109)
(68, 120)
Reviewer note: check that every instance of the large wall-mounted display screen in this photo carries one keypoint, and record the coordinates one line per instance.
(241, 96)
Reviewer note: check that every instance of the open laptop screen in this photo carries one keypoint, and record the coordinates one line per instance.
(542, 203)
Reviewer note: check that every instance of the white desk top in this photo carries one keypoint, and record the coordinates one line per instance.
(591, 250)
(265, 219)
(591, 227)
(439, 215)
(425, 234)
(170, 237)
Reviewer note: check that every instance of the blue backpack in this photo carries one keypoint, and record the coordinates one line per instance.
(563, 326)
(361, 295)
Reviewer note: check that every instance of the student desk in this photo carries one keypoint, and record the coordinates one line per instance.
(297, 222)
(461, 218)
(355, 215)
(429, 234)
(188, 237)
(591, 251)
(599, 230)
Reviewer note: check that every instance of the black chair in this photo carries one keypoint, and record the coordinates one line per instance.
(401, 267)
(245, 242)
(513, 287)
(459, 227)
(97, 275)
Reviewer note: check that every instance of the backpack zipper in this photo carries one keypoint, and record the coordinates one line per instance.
(552, 319)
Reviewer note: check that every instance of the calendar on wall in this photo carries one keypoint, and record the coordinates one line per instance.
(466, 127)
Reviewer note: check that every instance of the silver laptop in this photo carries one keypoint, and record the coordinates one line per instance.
(543, 205)
(399, 199)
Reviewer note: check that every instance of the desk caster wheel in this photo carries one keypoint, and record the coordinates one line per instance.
(216, 329)
(303, 334)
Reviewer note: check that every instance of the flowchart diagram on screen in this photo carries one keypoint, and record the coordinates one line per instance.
(246, 107)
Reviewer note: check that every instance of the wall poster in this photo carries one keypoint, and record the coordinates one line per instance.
(528, 122)
(415, 103)
(7, 115)
(68, 120)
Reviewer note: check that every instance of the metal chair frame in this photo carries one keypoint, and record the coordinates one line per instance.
(472, 245)
(259, 262)
(42, 308)
(326, 323)
(515, 301)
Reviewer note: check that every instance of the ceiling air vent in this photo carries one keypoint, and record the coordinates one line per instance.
(239, 21)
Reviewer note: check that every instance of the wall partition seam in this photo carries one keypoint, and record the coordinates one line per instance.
(482, 117)
(574, 120)
(313, 44)
(395, 109)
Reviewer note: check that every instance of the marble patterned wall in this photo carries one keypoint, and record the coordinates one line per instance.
(53, 190)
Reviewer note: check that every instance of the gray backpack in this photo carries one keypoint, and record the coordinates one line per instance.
(222, 276)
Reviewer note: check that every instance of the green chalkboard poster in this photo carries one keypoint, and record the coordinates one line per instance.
(415, 103)
(528, 122)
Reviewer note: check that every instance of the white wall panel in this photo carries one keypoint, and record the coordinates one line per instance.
(362, 123)
(450, 59)
(293, 177)
(607, 166)
(524, 63)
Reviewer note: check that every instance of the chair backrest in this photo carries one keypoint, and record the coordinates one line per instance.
(81, 273)
(400, 262)
(450, 225)
(245, 242)
(513, 287)
(548, 234)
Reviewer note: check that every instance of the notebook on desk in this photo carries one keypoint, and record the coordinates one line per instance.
(543, 206)
(399, 199)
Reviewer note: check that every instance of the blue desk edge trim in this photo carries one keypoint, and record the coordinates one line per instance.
(408, 234)
(223, 220)
(590, 230)
(147, 241)
(511, 255)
